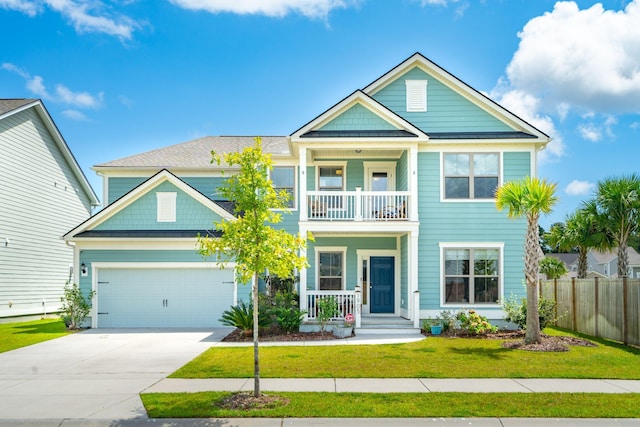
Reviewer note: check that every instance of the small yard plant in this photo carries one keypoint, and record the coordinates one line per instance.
(75, 308)
(474, 324)
(516, 311)
(327, 310)
(241, 316)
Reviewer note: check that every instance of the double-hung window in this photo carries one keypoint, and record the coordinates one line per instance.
(471, 275)
(284, 179)
(331, 178)
(471, 175)
(331, 270)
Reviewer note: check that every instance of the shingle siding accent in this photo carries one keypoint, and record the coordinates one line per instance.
(357, 118)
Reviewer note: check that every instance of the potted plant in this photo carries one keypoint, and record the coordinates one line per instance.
(345, 329)
(435, 326)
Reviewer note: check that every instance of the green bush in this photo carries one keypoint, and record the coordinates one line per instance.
(241, 316)
(327, 310)
(75, 308)
(289, 319)
(516, 311)
(473, 323)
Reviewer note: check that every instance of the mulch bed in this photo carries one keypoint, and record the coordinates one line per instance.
(238, 336)
(514, 339)
(246, 401)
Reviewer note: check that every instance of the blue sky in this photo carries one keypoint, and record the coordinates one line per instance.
(126, 76)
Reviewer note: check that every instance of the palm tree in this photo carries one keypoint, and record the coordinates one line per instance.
(582, 231)
(552, 267)
(618, 205)
(529, 197)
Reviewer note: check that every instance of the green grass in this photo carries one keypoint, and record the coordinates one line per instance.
(349, 405)
(429, 358)
(22, 334)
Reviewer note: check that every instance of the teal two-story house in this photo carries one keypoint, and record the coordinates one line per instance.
(396, 182)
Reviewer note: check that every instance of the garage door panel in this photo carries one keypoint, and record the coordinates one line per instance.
(165, 297)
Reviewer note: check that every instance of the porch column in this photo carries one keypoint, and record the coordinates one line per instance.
(302, 182)
(302, 284)
(414, 289)
(413, 183)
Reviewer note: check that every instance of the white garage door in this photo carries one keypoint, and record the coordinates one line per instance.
(164, 297)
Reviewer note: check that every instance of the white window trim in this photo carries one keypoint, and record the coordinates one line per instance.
(416, 95)
(472, 245)
(320, 249)
(295, 186)
(166, 206)
(325, 164)
(469, 200)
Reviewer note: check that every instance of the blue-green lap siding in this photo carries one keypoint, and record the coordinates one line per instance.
(464, 222)
(119, 186)
(447, 111)
(358, 118)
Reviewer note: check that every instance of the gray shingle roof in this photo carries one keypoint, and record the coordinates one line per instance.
(197, 153)
(7, 105)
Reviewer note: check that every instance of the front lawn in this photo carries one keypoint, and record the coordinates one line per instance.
(430, 358)
(22, 334)
(382, 405)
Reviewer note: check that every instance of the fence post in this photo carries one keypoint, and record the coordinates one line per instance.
(555, 299)
(625, 292)
(574, 317)
(596, 308)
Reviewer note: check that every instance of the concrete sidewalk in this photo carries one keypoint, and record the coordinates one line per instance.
(398, 385)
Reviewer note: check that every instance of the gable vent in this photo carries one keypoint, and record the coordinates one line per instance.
(416, 95)
(166, 206)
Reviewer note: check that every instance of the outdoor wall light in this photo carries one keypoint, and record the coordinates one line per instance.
(83, 269)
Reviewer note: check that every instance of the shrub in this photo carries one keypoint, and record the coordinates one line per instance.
(447, 319)
(75, 308)
(327, 310)
(289, 319)
(516, 311)
(241, 316)
(473, 323)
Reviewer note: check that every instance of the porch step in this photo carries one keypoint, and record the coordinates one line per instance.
(387, 325)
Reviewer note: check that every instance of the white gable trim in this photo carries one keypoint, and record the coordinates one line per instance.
(358, 97)
(137, 193)
(457, 85)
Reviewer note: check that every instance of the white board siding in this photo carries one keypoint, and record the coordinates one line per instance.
(163, 297)
(40, 200)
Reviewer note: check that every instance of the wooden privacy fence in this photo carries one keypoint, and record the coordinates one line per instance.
(605, 308)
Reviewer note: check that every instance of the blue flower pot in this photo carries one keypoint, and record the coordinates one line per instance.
(436, 330)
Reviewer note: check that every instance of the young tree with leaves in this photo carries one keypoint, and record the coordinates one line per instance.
(249, 240)
(529, 197)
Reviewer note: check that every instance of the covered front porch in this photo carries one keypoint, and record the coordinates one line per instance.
(370, 277)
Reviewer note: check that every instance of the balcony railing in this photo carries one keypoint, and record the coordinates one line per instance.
(358, 205)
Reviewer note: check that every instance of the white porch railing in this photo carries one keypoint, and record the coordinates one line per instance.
(358, 205)
(348, 302)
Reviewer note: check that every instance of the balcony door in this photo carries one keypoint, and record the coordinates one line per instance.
(379, 177)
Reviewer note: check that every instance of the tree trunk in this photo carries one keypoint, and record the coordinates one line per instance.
(532, 255)
(582, 263)
(256, 359)
(623, 262)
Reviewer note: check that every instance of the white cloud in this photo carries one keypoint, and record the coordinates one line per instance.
(590, 132)
(27, 7)
(526, 106)
(62, 94)
(587, 58)
(276, 8)
(579, 188)
(86, 16)
(74, 115)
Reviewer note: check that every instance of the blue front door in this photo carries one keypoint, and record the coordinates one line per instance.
(382, 280)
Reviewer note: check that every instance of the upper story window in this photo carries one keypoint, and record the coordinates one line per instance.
(166, 211)
(284, 179)
(416, 94)
(471, 175)
(331, 178)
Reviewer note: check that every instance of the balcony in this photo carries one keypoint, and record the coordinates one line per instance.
(358, 205)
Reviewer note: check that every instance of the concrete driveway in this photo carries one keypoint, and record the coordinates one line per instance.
(95, 374)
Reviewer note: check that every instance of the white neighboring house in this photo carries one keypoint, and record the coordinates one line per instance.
(43, 194)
